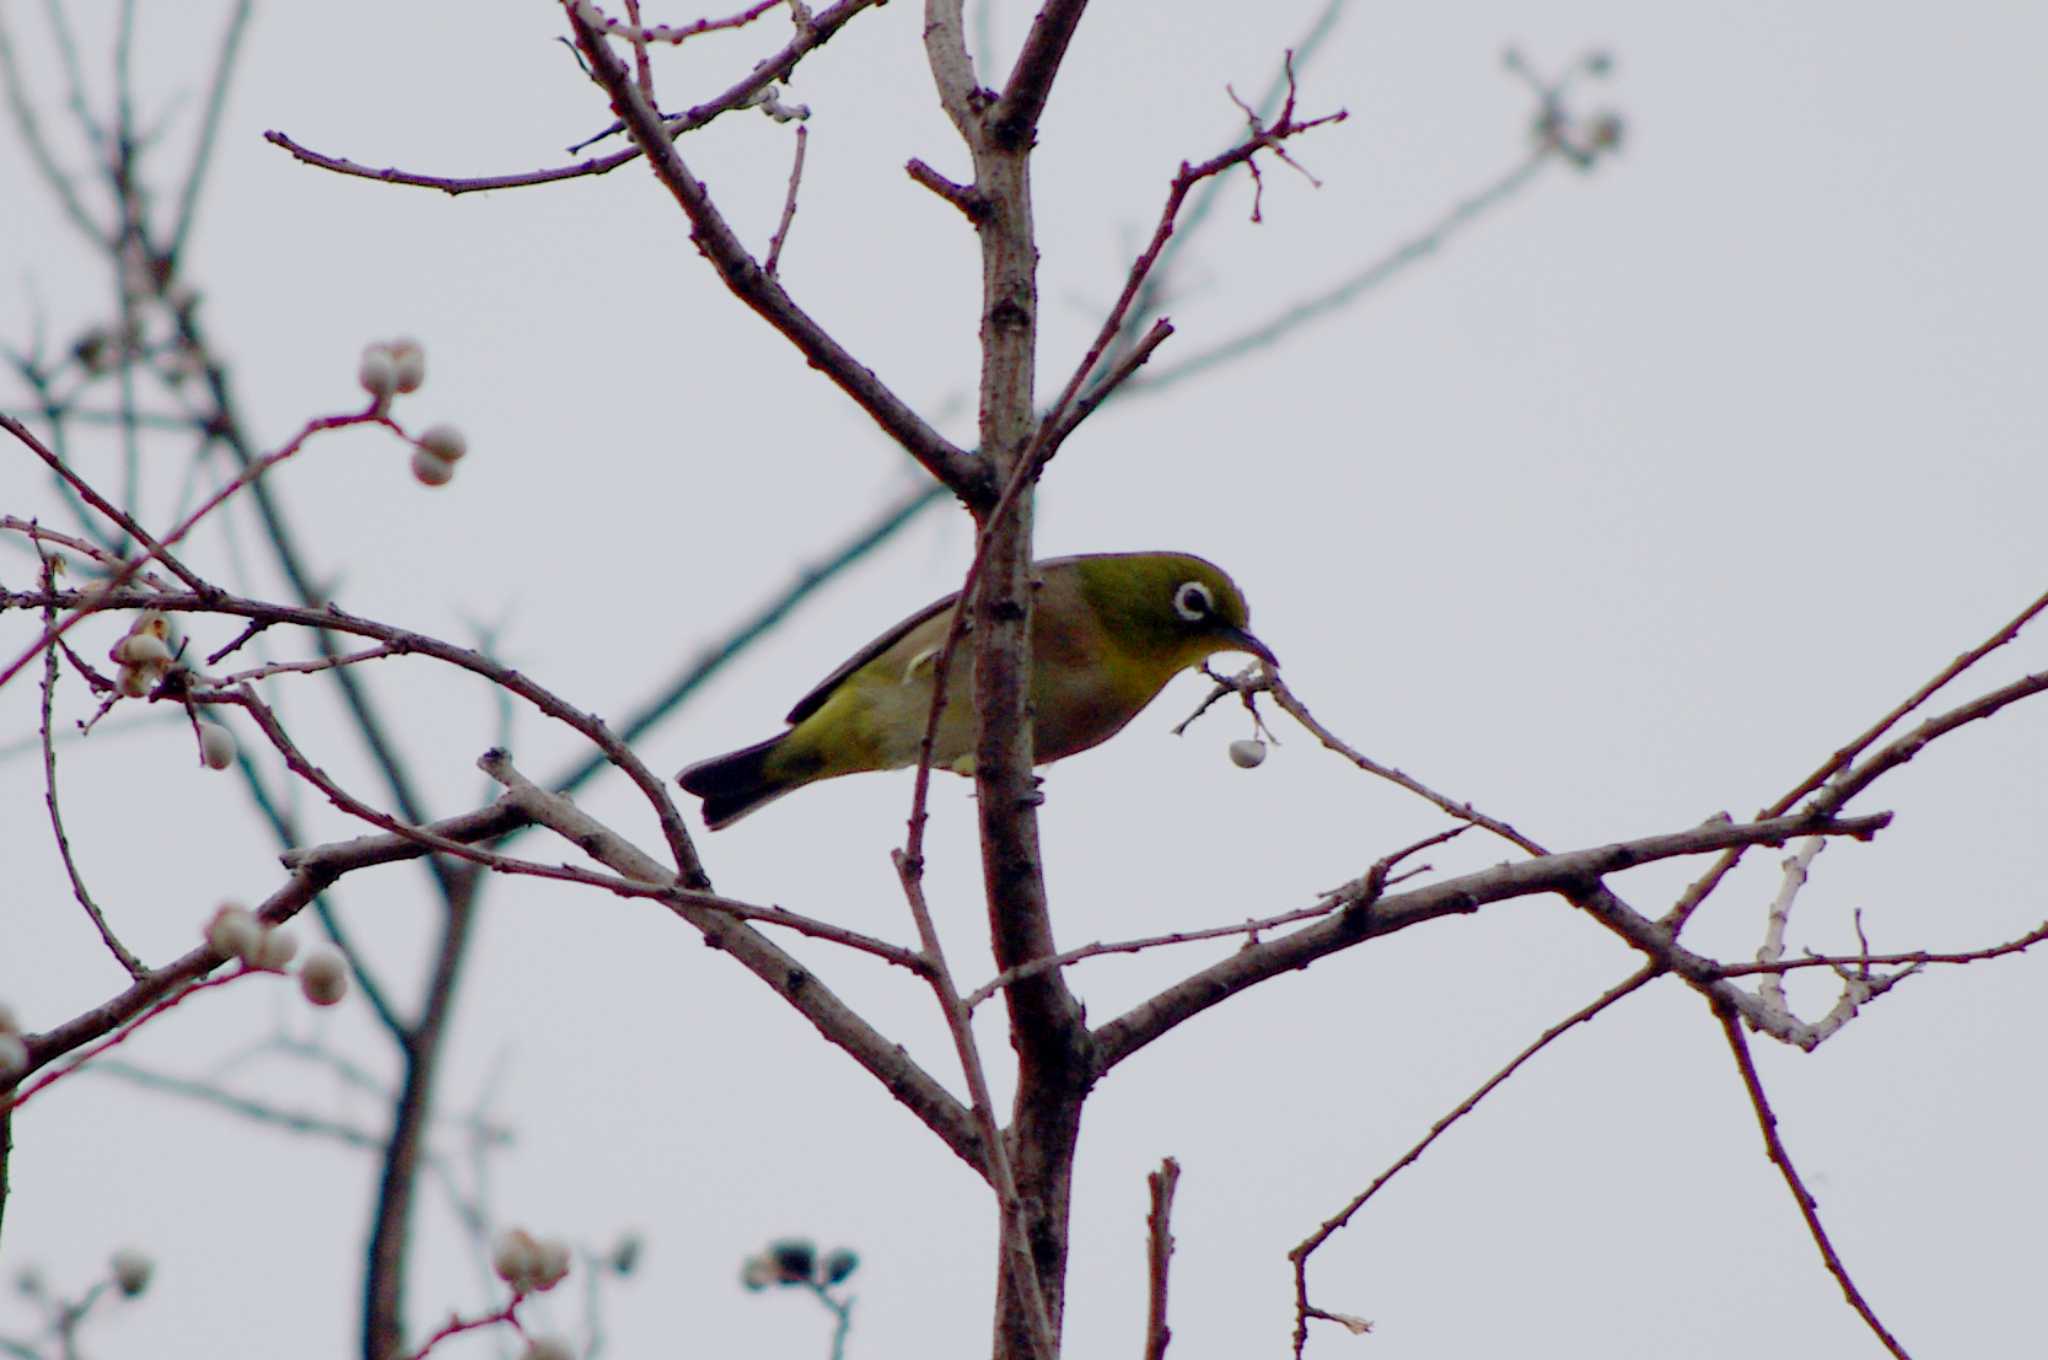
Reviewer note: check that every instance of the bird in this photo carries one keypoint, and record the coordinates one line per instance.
(1108, 630)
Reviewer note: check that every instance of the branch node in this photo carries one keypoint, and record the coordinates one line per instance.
(971, 203)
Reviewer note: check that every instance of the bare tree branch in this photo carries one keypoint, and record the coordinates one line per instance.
(918, 1092)
(404, 1153)
(673, 35)
(1303, 1309)
(22, 109)
(822, 26)
(256, 1111)
(1251, 930)
(1158, 1254)
(1062, 416)
(1908, 958)
(121, 953)
(796, 177)
(336, 621)
(1575, 874)
(194, 180)
(1013, 122)
(964, 474)
(945, 51)
(1683, 909)
(185, 991)
(1001, 1175)
(1263, 681)
(310, 872)
(1809, 1208)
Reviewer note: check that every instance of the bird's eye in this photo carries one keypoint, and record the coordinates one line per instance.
(1193, 601)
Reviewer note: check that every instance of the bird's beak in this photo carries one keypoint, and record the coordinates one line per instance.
(1242, 641)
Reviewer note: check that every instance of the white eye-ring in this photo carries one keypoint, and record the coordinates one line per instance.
(1193, 601)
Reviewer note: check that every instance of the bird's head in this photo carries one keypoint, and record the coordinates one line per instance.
(1171, 610)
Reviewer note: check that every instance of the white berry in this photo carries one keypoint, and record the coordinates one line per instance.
(431, 469)
(323, 977)
(378, 372)
(235, 932)
(444, 441)
(514, 1257)
(408, 364)
(142, 649)
(551, 1263)
(275, 951)
(216, 745)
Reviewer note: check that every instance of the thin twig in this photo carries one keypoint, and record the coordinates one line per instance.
(209, 132)
(1203, 203)
(809, 579)
(106, 507)
(1809, 1208)
(1778, 918)
(292, 1121)
(285, 827)
(1059, 420)
(312, 667)
(74, 75)
(311, 872)
(159, 551)
(971, 205)
(1365, 279)
(334, 620)
(22, 1095)
(1296, 709)
(1689, 902)
(796, 176)
(1303, 1309)
(92, 552)
(392, 1217)
(797, 984)
(777, 67)
(1158, 1254)
(643, 69)
(1576, 874)
(1108, 381)
(671, 893)
(1055, 425)
(1911, 957)
(452, 185)
(965, 474)
(1023, 1267)
(672, 34)
(121, 953)
(456, 1326)
(1850, 782)
(1843, 758)
(1251, 930)
(22, 108)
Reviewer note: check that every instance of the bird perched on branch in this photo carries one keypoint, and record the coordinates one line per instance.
(1108, 630)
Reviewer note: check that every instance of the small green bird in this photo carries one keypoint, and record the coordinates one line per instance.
(1108, 630)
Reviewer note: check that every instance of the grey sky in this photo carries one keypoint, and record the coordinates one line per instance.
(1626, 508)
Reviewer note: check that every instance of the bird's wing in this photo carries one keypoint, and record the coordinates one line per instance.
(815, 700)
(822, 691)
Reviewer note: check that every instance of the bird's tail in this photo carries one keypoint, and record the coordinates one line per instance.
(735, 784)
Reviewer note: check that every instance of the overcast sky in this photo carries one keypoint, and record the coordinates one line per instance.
(1626, 507)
